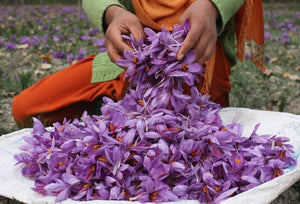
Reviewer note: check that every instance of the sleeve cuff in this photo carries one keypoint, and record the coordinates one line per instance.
(95, 10)
(104, 69)
(226, 8)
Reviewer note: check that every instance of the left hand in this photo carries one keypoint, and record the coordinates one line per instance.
(202, 36)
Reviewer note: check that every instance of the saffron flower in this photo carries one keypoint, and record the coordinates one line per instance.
(11, 46)
(156, 144)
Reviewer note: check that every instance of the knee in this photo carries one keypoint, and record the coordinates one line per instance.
(21, 113)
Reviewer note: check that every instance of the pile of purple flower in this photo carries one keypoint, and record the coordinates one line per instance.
(157, 144)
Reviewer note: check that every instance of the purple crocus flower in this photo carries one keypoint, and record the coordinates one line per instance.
(4, 74)
(45, 27)
(34, 41)
(268, 35)
(11, 46)
(13, 37)
(25, 40)
(71, 39)
(46, 47)
(59, 54)
(70, 58)
(94, 32)
(16, 79)
(44, 38)
(62, 188)
(285, 35)
(85, 38)
(57, 38)
(56, 29)
(2, 40)
(99, 42)
(81, 53)
(102, 50)
(150, 191)
(157, 143)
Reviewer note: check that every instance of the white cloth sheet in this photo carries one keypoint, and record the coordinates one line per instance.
(14, 185)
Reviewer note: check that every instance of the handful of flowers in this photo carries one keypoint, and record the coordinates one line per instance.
(157, 144)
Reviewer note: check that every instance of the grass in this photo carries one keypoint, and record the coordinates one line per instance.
(278, 90)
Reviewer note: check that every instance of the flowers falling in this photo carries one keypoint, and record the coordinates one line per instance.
(157, 143)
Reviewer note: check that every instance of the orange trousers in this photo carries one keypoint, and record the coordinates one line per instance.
(69, 92)
(65, 94)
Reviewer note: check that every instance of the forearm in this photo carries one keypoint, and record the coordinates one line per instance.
(95, 10)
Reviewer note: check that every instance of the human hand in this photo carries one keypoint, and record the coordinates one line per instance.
(120, 22)
(202, 36)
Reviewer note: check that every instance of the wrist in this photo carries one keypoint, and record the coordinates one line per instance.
(214, 9)
(111, 12)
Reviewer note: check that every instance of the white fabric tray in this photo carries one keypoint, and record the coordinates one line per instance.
(15, 186)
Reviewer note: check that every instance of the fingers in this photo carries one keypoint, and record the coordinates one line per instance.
(200, 49)
(137, 31)
(112, 52)
(121, 22)
(202, 39)
(190, 41)
(115, 44)
(205, 47)
(206, 53)
(202, 35)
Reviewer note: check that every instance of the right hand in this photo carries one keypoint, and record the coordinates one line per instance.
(120, 22)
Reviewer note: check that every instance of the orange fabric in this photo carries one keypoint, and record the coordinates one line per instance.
(66, 93)
(154, 14)
(220, 85)
(221, 71)
(249, 26)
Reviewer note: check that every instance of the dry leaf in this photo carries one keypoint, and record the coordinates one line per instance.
(285, 74)
(277, 69)
(291, 76)
(22, 46)
(297, 68)
(39, 73)
(13, 93)
(291, 83)
(28, 58)
(289, 56)
(268, 72)
(46, 66)
(292, 33)
(74, 61)
(46, 58)
(273, 59)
